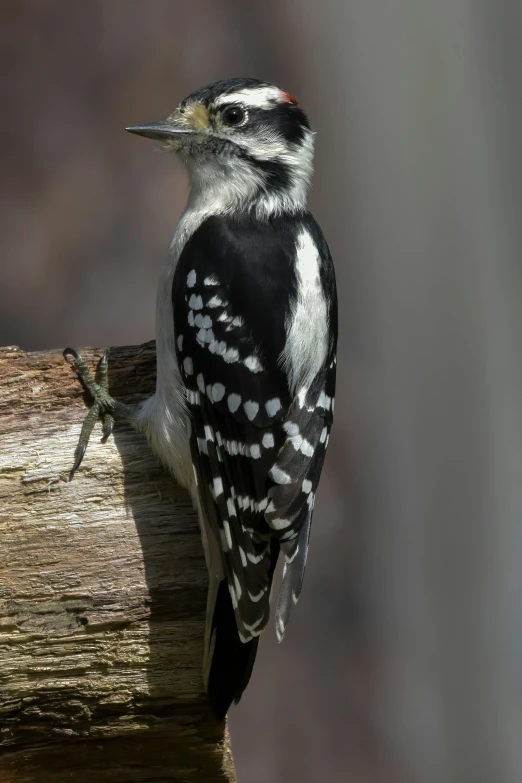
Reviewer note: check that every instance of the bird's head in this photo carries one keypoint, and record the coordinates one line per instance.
(246, 144)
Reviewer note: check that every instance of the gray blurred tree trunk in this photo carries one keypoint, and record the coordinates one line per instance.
(424, 99)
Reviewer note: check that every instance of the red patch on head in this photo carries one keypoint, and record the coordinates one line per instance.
(287, 98)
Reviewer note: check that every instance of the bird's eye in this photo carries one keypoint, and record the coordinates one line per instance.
(233, 115)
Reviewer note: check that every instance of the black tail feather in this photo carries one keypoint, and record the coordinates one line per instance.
(232, 660)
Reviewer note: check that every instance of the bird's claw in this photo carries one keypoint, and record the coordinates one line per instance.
(107, 418)
(103, 403)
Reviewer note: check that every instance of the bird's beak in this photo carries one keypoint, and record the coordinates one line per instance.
(162, 130)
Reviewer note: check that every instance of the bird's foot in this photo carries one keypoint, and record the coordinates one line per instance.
(103, 404)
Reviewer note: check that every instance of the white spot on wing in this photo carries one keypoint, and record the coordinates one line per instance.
(217, 346)
(224, 542)
(255, 451)
(253, 364)
(279, 476)
(251, 409)
(231, 355)
(218, 392)
(180, 342)
(255, 558)
(195, 302)
(279, 523)
(234, 401)
(193, 397)
(273, 406)
(232, 447)
(226, 528)
(191, 278)
(307, 486)
(218, 487)
(204, 321)
(202, 446)
(216, 301)
(211, 280)
(296, 441)
(224, 317)
(306, 448)
(188, 366)
(268, 440)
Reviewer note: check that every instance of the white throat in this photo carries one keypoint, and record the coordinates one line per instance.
(223, 186)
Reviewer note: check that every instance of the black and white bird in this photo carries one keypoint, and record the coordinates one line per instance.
(246, 341)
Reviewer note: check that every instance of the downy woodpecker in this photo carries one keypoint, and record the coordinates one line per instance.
(246, 338)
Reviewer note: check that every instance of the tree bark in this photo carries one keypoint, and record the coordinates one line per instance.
(102, 591)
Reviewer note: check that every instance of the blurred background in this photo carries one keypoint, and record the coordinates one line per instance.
(403, 659)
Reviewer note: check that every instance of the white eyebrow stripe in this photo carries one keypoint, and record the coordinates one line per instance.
(260, 97)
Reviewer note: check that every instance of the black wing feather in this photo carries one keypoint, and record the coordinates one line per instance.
(231, 295)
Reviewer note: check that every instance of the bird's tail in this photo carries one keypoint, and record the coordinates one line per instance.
(228, 661)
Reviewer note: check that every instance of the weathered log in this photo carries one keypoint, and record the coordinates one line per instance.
(102, 591)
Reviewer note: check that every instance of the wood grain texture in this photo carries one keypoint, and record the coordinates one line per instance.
(102, 591)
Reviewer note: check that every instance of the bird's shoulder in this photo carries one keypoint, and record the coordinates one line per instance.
(243, 251)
